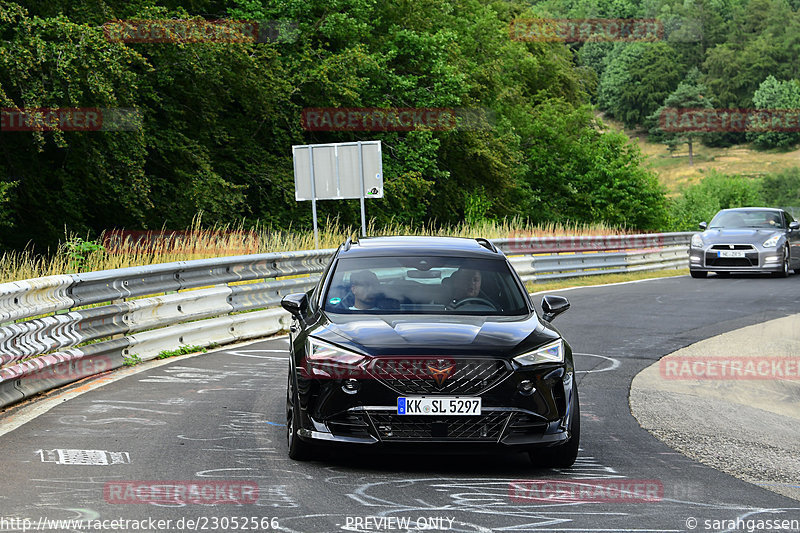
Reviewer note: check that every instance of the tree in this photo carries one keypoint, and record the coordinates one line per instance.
(774, 94)
(637, 79)
(219, 119)
(579, 173)
(690, 94)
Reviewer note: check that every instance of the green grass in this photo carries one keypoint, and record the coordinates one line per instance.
(129, 360)
(674, 171)
(183, 350)
(602, 279)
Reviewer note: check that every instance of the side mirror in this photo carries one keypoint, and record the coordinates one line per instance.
(794, 225)
(553, 306)
(703, 226)
(296, 304)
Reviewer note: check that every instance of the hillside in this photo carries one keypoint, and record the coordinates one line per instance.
(674, 171)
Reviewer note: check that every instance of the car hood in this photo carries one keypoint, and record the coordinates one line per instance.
(433, 335)
(738, 236)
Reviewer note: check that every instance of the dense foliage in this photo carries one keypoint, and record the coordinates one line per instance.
(736, 45)
(700, 201)
(218, 119)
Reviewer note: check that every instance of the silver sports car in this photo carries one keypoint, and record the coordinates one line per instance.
(746, 239)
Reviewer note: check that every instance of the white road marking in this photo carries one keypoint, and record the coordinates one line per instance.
(84, 457)
(614, 363)
(608, 285)
(39, 406)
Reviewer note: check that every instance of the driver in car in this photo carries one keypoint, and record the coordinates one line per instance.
(771, 219)
(466, 284)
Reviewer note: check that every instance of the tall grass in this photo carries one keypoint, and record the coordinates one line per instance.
(200, 242)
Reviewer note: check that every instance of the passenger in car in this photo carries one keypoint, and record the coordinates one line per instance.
(364, 285)
(367, 293)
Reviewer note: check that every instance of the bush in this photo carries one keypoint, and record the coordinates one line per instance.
(701, 201)
(782, 189)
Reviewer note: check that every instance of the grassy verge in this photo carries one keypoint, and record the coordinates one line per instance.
(602, 279)
(200, 243)
(673, 169)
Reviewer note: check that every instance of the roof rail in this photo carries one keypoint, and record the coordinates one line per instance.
(486, 243)
(350, 241)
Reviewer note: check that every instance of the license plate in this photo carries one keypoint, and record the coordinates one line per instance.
(730, 253)
(440, 405)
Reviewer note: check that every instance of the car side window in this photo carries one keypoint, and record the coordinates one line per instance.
(315, 295)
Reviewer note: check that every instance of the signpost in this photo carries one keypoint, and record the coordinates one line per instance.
(338, 171)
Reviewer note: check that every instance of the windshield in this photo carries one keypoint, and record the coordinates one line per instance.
(746, 219)
(424, 285)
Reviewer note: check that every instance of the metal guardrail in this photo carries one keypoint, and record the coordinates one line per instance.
(141, 311)
(589, 264)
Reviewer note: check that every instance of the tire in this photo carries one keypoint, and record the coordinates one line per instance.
(698, 274)
(784, 273)
(299, 450)
(563, 455)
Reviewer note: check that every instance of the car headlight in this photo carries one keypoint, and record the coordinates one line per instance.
(549, 353)
(772, 242)
(697, 241)
(327, 361)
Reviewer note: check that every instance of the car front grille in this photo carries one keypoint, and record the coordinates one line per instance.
(393, 427)
(733, 247)
(750, 258)
(731, 262)
(467, 376)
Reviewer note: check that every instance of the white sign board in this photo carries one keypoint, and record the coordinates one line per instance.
(337, 174)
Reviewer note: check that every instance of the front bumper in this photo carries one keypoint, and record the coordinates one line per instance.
(501, 429)
(755, 260)
(509, 419)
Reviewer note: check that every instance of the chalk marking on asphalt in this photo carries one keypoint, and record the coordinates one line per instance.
(38, 407)
(615, 363)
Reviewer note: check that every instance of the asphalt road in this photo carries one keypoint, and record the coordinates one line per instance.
(219, 417)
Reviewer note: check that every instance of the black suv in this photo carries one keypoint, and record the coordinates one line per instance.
(429, 340)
